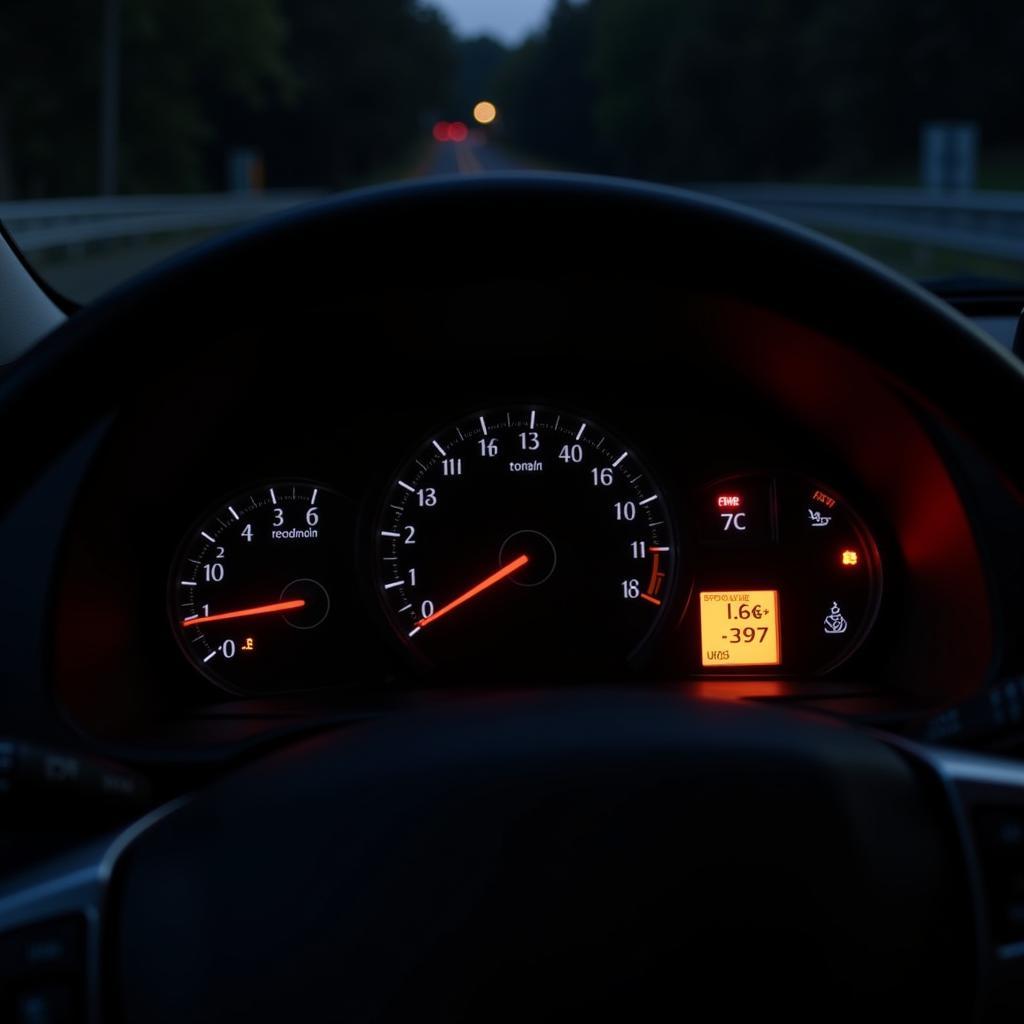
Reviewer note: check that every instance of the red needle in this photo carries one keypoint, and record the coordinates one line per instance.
(478, 589)
(243, 613)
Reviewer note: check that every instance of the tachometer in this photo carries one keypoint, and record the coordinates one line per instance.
(251, 592)
(524, 538)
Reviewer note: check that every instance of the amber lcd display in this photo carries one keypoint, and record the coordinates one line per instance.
(740, 627)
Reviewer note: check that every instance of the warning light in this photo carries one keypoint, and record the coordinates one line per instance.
(850, 557)
(248, 645)
(730, 501)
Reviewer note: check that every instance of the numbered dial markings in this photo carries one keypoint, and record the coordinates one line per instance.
(251, 592)
(522, 538)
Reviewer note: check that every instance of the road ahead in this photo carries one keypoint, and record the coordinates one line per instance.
(474, 156)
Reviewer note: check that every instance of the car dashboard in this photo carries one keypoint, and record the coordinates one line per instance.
(338, 512)
(554, 561)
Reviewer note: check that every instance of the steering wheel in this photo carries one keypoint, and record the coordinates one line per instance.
(561, 855)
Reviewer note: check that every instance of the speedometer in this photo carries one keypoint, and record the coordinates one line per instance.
(524, 537)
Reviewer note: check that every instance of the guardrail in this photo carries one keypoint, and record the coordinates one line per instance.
(984, 223)
(38, 225)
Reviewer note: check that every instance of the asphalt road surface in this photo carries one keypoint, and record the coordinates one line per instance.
(475, 156)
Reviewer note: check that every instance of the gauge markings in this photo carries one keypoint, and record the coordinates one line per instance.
(528, 483)
(254, 581)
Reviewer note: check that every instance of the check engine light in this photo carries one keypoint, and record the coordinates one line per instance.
(739, 627)
(850, 557)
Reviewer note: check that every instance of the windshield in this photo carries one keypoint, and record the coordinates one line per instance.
(130, 129)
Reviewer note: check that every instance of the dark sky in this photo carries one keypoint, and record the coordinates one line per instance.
(508, 20)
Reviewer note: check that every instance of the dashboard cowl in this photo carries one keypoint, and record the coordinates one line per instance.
(585, 855)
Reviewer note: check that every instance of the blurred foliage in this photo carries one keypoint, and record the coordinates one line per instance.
(479, 60)
(324, 89)
(370, 72)
(699, 89)
(546, 92)
(180, 57)
(331, 91)
(48, 74)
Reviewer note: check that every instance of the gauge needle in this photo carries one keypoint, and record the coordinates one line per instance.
(483, 585)
(244, 613)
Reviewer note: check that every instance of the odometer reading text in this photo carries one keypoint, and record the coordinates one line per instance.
(740, 627)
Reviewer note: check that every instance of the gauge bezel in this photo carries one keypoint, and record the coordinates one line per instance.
(666, 617)
(183, 545)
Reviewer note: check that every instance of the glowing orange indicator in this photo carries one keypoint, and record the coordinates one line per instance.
(850, 557)
(739, 627)
(244, 613)
(483, 585)
(729, 500)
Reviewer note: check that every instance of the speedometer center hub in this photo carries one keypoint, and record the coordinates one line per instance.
(538, 548)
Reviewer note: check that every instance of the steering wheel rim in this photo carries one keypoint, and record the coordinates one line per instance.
(824, 285)
(767, 262)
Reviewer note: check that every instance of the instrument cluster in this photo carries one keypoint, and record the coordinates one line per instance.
(521, 542)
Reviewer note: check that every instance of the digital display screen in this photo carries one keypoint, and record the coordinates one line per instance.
(739, 627)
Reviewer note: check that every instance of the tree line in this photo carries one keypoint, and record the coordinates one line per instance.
(331, 92)
(325, 90)
(729, 89)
